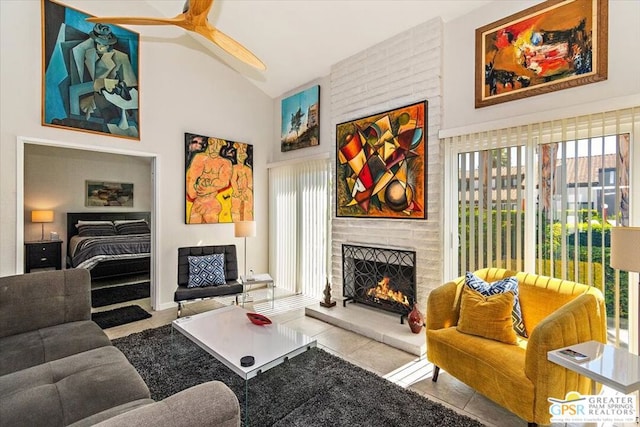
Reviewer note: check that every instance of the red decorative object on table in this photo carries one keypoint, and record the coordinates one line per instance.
(258, 319)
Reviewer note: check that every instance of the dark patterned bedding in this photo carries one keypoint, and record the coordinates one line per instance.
(87, 252)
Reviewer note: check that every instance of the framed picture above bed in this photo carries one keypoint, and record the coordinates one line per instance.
(108, 194)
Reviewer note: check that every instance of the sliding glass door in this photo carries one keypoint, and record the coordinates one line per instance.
(543, 198)
(299, 226)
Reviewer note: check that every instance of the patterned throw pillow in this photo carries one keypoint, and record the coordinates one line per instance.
(501, 286)
(207, 270)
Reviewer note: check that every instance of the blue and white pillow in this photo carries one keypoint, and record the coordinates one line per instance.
(508, 284)
(207, 270)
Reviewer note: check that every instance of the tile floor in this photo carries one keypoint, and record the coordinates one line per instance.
(402, 368)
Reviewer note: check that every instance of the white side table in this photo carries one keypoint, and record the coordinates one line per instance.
(257, 279)
(614, 367)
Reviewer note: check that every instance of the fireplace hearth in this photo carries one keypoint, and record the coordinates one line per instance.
(383, 278)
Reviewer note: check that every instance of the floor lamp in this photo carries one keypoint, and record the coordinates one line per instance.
(625, 254)
(245, 229)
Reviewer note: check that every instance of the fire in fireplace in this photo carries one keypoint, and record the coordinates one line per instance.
(383, 291)
(379, 277)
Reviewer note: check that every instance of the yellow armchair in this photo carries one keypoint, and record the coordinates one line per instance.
(519, 377)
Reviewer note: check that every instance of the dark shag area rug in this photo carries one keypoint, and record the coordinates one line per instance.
(117, 294)
(312, 389)
(119, 316)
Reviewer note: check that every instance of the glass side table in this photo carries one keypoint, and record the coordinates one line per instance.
(256, 279)
(614, 367)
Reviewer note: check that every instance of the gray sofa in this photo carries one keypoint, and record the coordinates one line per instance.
(58, 368)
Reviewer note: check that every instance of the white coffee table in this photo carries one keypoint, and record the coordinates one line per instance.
(614, 367)
(228, 335)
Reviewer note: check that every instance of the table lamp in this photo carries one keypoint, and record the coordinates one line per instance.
(625, 251)
(245, 229)
(42, 217)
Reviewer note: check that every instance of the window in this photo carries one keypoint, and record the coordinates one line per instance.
(562, 186)
(299, 226)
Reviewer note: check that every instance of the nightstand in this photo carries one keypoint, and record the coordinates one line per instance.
(43, 254)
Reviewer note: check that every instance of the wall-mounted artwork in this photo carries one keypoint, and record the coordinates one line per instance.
(112, 194)
(557, 44)
(90, 74)
(219, 180)
(301, 120)
(381, 165)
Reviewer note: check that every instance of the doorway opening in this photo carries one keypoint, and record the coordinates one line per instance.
(24, 142)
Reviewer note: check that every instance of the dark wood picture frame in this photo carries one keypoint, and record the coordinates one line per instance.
(381, 164)
(555, 45)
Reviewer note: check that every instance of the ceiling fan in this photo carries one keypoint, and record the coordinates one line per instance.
(193, 18)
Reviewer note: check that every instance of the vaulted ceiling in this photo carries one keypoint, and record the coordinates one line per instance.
(298, 40)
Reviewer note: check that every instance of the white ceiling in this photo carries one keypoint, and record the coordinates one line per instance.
(299, 40)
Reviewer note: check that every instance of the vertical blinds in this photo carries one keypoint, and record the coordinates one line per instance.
(537, 197)
(299, 226)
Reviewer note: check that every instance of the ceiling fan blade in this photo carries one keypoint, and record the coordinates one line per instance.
(231, 46)
(130, 20)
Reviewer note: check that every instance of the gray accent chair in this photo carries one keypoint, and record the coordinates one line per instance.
(58, 368)
(184, 294)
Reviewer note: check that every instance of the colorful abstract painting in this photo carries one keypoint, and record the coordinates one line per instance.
(90, 74)
(219, 180)
(300, 120)
(381, 165)
(554, 45)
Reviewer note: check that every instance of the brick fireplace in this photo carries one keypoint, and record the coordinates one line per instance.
(383, 278)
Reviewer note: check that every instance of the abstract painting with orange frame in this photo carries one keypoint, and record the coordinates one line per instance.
(381, 165)
(557, 44)
(218, 180)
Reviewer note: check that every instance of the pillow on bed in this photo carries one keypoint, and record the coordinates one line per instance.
(132, 227)
(93, 230)
(207, 270)
(126, 221)
(85, 222)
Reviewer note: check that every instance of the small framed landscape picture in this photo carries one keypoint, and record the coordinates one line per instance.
(108, 194)
(300, 126)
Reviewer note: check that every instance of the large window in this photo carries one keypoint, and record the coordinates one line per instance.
(299, 226)
(544, 197)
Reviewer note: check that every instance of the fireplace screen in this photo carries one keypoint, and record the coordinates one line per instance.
(379, 277)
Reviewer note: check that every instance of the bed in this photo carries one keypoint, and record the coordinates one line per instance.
(109, 254)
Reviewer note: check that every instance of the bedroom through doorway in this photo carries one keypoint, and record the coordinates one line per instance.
(57, 176)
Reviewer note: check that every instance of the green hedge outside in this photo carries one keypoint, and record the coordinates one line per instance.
(596, 233)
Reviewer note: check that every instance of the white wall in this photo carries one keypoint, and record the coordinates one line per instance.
(184, 88)
(54, 178)
(621, 89)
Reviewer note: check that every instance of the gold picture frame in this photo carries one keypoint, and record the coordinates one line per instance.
(90, 74)
(555, 45)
